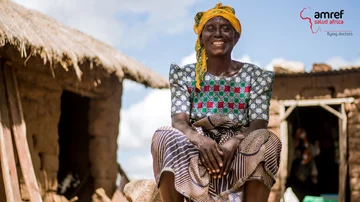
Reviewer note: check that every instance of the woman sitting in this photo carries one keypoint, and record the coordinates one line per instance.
(218, 148)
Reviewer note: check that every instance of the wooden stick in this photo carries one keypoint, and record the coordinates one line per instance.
(100, 193)
(19, 130)
(284, 151)
(74, 199)
(5, 167)
(317, 102)
(7, 151)
(124, 179)
(333, 111)
(343, 167)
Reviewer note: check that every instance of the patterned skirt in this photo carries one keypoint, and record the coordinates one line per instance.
(257, 158)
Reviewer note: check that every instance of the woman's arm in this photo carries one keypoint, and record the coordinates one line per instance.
(229, 147)
(259, 102)
(181, 122)
(210, 152)
(254, 125)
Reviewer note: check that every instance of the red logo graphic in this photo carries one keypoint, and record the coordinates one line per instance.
(329, 19)
(310, 21)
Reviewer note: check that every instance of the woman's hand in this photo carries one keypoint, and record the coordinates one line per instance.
(229, 148)
(210, 153)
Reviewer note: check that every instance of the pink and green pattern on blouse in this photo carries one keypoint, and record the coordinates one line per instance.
(243, 97)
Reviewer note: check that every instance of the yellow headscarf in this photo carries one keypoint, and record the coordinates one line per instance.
(201, 19)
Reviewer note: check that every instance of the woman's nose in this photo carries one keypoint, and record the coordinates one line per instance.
(217, 32)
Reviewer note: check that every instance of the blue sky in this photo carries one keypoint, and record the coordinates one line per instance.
(160, 32)
(271, 29)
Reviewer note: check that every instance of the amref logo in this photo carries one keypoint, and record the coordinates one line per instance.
(326, 18)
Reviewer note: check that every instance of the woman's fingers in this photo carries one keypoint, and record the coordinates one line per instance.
(219, 150)
(224, 158)
(218, 158)
(228, 162)
(224, 168)
(223, 171)
(213, 161)
(202, 160)
(212, 156)
(207, 163)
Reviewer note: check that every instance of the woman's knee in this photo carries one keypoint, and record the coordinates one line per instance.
(256, 190)
(162, 136)
(166, 133)
(161, 133)
(167, 188)
(277, 143)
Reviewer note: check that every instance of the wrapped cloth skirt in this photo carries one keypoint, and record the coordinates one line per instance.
(257, 158)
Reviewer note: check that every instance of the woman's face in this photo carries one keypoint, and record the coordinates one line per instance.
(219, 37)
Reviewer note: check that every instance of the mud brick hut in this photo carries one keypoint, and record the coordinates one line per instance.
(60, 90)
(326, 104)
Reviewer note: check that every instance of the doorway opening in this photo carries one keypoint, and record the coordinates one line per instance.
(313, 152)
(74, 176)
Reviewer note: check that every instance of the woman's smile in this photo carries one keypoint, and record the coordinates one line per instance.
(218, 44)
(218, 37)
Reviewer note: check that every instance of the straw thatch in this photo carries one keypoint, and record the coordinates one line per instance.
(33, 33)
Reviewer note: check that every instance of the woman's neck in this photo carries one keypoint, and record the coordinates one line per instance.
(221, 66)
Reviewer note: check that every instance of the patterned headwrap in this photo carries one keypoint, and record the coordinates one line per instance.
(201, 19)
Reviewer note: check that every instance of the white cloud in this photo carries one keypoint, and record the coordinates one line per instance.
(189, 59)
(295, 66)
(246, 58)
(141, 167)
(139, 122)
(119, 22)
(132, 86)
(137, 126)
(339, 62)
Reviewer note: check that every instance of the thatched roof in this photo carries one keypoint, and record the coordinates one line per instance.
(33, 33)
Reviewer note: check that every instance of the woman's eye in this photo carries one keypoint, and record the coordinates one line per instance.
(226, 29)
(210, 28)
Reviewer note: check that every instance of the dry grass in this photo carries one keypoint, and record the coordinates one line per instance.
(33, 33)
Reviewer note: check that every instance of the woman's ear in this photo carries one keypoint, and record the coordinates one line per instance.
(201, 41)
(237, 37)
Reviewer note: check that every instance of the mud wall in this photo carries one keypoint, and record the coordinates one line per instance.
(354, 149)
(326, 86)
(40, 95)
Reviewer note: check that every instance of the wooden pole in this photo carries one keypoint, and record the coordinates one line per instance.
(343, 154)
(317, 102)
(284, 149)
(288, 112)
(19, 130)
(333, 111)
(6, 144)
(9, 191)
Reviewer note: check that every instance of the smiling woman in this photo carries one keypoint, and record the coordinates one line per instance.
(218, 37)
(218, 148)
